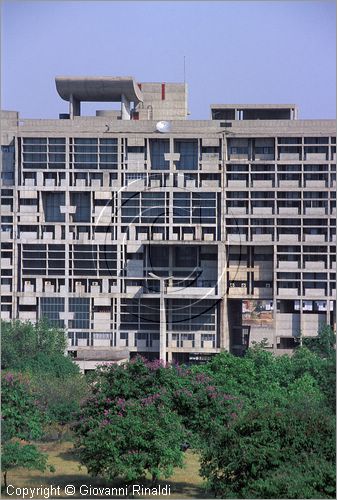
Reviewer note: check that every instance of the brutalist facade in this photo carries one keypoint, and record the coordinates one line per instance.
(141, 231)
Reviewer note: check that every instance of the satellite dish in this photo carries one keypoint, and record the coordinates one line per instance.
(163, 127)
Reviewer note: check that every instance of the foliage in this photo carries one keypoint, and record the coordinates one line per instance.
(258, 456)
(15, 454)
(38, 350)
(21, 416)
(22, 419)
(139, 415)
(130, 438)
(252, 419)
(60, 397)
(323, 344)
(22, 342)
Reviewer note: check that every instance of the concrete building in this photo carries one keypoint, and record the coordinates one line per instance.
(141, 231)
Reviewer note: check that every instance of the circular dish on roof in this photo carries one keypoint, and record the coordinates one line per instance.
(163, 127)
(100, 88)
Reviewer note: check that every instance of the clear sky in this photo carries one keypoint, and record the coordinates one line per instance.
(236, 51)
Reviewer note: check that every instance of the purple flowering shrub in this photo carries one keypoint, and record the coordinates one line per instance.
(129, 438)
(139, 416)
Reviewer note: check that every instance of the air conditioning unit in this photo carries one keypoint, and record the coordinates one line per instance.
(27, 283)
(94, 283)
(78, 283)
(243, 285)
(232, 285)
(267, 285)
(46, 283)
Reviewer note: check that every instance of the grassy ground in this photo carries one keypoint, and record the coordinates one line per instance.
(185, 483)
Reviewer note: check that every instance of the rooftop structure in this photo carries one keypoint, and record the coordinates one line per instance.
(141, 231)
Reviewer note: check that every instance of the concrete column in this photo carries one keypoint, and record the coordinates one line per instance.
(74, 107)
(222, 291)
(162, 334)
(125, 108)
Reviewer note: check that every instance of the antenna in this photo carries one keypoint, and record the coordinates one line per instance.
(184, 69)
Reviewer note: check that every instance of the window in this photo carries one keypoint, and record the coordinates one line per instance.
(158, 148)
(80, 308)
(50, 307)
(51, 206)
(188, 150)
(82, 203)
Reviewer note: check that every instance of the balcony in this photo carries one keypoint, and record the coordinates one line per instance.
(314, 238)
(210, 183)
(237, 184)
(288, 184)
(262, 238)
(318, 183)
(315, 265)
(315, 211)
(288, 265)
(189, 291)
(289, 156)
(6, 263)
(263, 210)
(210, 162)
(288, 238)
(288, 292)
(262, 183)
(6, 210)
(236, 238)
(288, 211)
(316, 293)
(28, 235)
(264, 156)
(237, 211)
(134, 291)
(316, 156)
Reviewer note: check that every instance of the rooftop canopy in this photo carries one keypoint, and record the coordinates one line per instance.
(99, 88)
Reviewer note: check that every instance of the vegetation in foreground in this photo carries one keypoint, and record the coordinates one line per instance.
(262, 425)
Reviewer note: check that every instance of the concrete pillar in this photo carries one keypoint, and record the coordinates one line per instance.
(125, 108)
(74, 107)
(222, 291)
(162, 335)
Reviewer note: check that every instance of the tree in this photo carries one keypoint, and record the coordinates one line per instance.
(260, 450)
(140, 415)
(22, 421)
(130, 438)
(23, 341)
(39, 351)
(323, 344)
(16, 454)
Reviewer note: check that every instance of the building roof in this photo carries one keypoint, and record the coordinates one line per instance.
(254, 106)
(100, 88)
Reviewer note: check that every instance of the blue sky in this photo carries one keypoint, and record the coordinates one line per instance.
(236, 52)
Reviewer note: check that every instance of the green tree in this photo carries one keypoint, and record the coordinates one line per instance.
(130, 438)
(39, 350)
(258, 454)
(21, 342)
(140, 414)
(22, 421)
(323, 344)
(16, 454)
